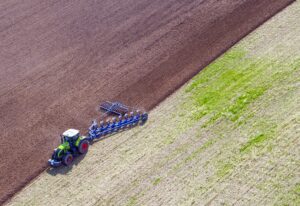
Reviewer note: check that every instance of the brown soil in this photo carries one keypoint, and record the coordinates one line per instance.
(60, 59)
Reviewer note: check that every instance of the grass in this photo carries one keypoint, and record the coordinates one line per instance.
(156, 181)
(254, 142)
(199, 150)
(292, 197)
(235, 110)
(132, 201)
(194, 154)
(226, 87)
(225, 91)
(224, 170)
(232, 99)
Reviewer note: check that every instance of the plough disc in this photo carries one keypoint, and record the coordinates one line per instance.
(114, 108)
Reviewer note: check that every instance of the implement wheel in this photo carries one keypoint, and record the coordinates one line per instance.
(144, 118)
(83, 146)
(67, 159)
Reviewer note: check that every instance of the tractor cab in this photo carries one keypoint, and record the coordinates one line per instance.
(71, 135)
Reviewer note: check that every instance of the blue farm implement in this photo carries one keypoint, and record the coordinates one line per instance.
(73, 144)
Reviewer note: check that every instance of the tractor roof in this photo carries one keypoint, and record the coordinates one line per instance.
(71, 133)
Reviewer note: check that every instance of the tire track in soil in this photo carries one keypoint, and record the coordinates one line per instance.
(59, 59)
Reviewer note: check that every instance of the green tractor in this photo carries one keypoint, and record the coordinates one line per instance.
(72, 144)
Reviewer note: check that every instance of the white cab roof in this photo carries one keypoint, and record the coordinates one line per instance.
(71, 133)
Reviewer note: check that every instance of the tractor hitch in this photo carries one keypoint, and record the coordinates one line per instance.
(54, 163)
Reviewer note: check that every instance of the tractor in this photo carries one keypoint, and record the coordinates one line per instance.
(74, 144)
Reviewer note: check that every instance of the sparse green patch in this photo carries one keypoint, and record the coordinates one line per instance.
(234, 111)
(194, 154)
(292, 197)
(225, 93)
(226, 87)
(132, 201)
(156, 181)
(254, 142)
(199, 150)
(297, 190)
(224, 169)
(214, 69)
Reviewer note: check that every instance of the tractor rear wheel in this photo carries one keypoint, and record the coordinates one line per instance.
(83, 146)
(67, 159)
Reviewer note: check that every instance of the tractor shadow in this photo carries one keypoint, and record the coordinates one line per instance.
(63, 170)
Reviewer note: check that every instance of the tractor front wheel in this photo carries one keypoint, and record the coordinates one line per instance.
(83, 146)
(67, 159)
(57, 154)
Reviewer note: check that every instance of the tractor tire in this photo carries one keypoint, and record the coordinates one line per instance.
(83, 146)
(67, 159)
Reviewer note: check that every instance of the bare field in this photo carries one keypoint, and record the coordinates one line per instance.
(230, 136)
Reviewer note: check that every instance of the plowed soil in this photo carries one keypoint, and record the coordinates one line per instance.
(60, 59)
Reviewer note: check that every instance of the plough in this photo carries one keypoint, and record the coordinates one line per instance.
(73, 144)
